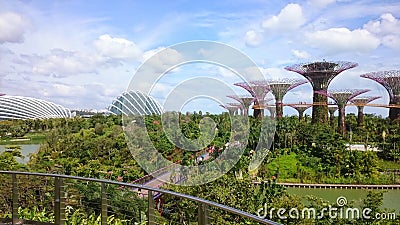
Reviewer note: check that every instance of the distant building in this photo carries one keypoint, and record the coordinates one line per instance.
(19, 107)
(87, 113)
(134, 103)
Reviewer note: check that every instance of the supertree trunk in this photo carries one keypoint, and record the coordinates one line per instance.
(301, 117)
(341, 120)
(320, 109)
(360, 116)
(332, 119)
(332, 110)
(279, 109)
(258, 113)
(394, 112)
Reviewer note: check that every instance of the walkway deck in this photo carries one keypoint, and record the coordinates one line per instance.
(340, 186)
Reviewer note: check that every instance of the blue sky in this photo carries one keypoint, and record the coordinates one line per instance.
(82, 54)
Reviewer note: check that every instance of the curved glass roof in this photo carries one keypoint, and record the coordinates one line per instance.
(134, 103)
(19, 107)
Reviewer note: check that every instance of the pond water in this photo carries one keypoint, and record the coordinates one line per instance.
(391, 198)
(25, 150)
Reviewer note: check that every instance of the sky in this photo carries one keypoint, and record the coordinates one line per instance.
(83, 54)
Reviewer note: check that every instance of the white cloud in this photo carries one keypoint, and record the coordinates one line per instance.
(321, 3)
(289, 19)
(387, 24)
(300, 54)
(61, 63)
(12, 27)
(253, 38)
(337, 40)
(162, 59)
(118, 48)
(387, 28)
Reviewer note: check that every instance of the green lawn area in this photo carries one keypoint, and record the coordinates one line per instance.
(30, 138)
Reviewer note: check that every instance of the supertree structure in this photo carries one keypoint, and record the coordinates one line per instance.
(257, 89)
(300, 107)
(271, 108)
(332, 109)
(360, 102)
(238, 106)
(231, 109)
(391, 81)
(246, 101)
(341, 97)
(279, 88)
(320, 74)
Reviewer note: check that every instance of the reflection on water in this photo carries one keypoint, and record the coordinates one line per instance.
(25, 150)
(391, 198)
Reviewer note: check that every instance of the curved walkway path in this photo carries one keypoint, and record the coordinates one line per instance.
(339, 186)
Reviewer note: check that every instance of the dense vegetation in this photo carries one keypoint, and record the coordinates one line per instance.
(96, 147)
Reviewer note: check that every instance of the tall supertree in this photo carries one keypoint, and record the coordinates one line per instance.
(332, 109)
(320, 74)
(257, 89)
(341, 97)
(391, 81)
(246, 101)
(231, 109)
(279, 88)
(360, 102)
(300, 107)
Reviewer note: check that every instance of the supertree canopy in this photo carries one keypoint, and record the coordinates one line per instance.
(257, 89)
(300, 109)
(391, 81)
(320, 74)
(360, 102)
(279, 88)
(341, 97)
(245, 101)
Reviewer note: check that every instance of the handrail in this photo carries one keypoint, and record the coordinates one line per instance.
(202, 202)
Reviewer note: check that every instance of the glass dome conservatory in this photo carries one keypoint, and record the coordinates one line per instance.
(134, 103)
(19, 107)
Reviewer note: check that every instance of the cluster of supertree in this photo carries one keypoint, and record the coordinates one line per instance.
(319, 75)
(258, 90)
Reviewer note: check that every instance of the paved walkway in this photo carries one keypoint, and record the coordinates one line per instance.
(339, 186)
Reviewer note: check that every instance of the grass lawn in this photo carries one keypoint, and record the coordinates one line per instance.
(30, 138)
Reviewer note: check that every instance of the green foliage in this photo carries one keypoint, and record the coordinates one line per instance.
(96, 147)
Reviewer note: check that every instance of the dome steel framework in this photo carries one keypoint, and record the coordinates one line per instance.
(134, 103)
(20, 107)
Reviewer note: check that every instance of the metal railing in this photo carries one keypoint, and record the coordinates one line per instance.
(64, 189)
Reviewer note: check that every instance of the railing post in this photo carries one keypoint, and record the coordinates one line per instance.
(14, 199)
(202, 214)
(151, 208)
(104, 206)
(59, 201)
